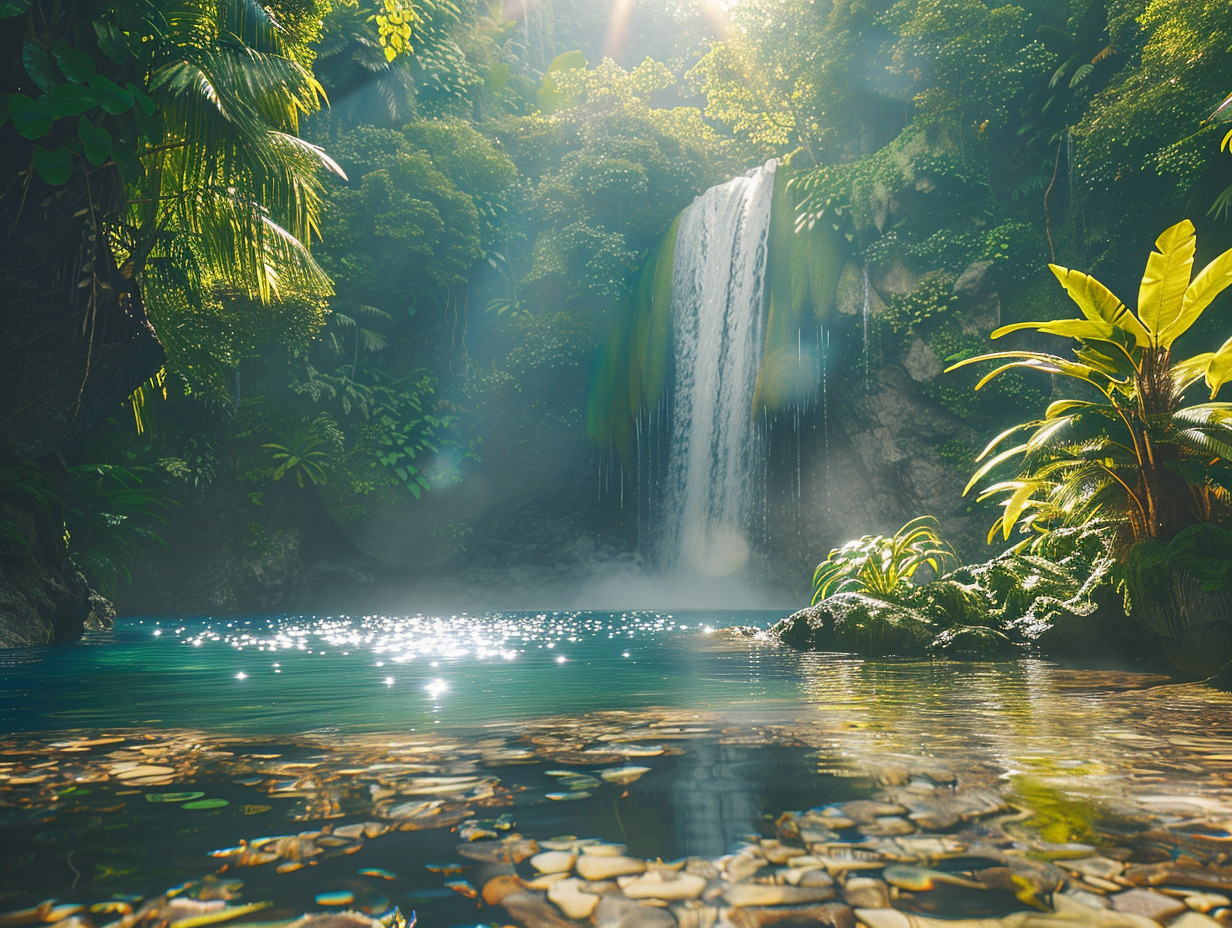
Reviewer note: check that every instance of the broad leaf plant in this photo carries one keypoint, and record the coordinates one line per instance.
(1131, 448)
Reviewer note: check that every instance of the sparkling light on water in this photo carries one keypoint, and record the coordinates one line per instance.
(430, 638)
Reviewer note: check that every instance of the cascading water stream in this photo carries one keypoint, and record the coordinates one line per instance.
(718, 319)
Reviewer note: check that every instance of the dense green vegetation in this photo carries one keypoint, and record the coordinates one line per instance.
(381, 243)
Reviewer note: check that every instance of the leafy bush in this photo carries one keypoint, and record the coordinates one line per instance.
(884, 566)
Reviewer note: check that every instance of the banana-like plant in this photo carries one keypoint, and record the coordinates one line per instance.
(883, 566)
(1135, 452)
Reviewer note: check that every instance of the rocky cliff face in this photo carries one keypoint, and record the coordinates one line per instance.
(43, 597)
(887, 448)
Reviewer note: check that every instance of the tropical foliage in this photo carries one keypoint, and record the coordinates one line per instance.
(1130, 447)
(885, 566)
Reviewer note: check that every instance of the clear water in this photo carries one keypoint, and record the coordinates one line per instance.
(297, 722)
(281, 674)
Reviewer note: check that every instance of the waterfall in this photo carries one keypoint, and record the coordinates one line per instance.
(718, 321)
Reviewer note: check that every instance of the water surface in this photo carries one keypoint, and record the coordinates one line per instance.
(317, 725)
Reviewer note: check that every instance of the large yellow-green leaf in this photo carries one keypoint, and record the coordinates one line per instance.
(1210, 282)
(1219, 371)
(1166, 279)
(1089, 329)
(1098, 302)
(1014, 508)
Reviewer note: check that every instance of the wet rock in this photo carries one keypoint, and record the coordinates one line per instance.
(568, 896)
(335, 920)
(593, 867)
(554, 861)
(864, 892)
(1195, 920)
(1100, 867)
(867, 811)
(1205, 902)
(857, 623)
(673, 887)
(827, 915)
(974, 643)
(532, 909)
(615, 911)
(759, 894)
(740, 633)
(887, 826)
(1147, 903)
(1093, 900)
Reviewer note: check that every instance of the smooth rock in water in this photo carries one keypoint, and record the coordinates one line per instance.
(778, 853)
(826, 915)
(892, 918)
(615, 911)
(1204, 902)
(757, 894)
(888, 826)
(554, 861)
(593, 867)
(335, 920)
(739, 867)
(497, 888)
(567, 896)
(920, 879)
(935, 820)
(604, 850)
(891, 774)
(1094, 900)
(862, 892)
(532, 909)
(814, 878)
(547, 881)
(1194, 920)
(1100, 867)
(658, 884)
(1148, 903)
(867, 811)
(623, 774)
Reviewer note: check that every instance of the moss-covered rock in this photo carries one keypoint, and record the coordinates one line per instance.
(974, 643)
(860, 624)
(951, 602)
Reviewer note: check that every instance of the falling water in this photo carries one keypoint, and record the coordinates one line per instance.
(864, 320)
(718, 318)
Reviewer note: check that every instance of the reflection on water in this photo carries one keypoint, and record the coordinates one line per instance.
(401, 744)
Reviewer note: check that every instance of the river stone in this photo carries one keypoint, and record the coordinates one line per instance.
(826, 915)
(867, 811)
(554, 861)
(1194, 920)
(888, 826)
(532, 909)
(603, 850)
(1204, 902)
(863, 892)
(756, 894)
(567, 896)
(1148, 903)
(593, 867)
(659, 884)
(1100, 867)
(615, 911)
